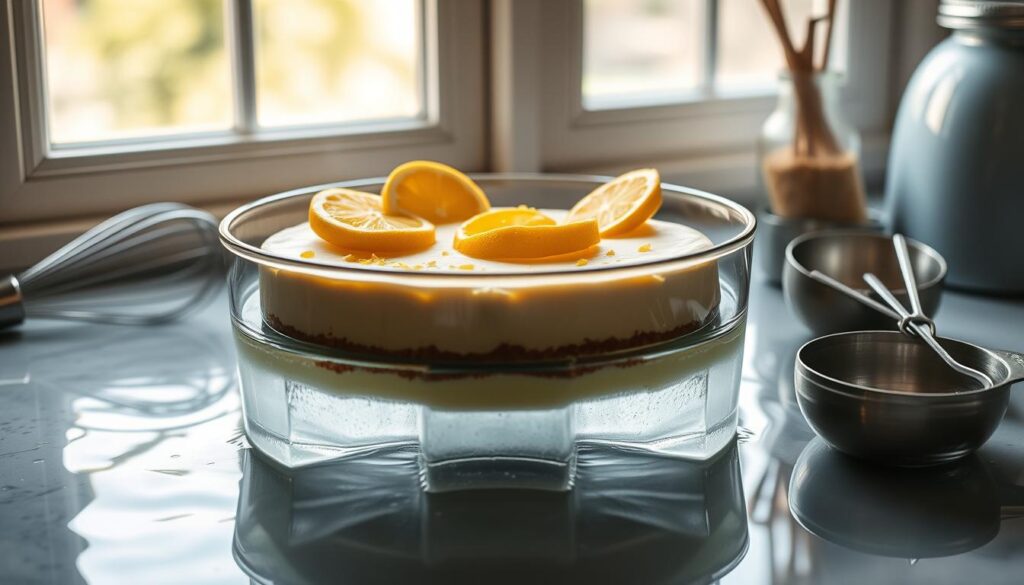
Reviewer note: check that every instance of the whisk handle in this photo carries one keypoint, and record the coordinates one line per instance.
(12, 308)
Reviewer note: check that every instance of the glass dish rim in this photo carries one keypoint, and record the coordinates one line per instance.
(255, 254)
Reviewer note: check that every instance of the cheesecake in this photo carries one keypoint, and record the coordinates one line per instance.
(439, 304)
(423, 316)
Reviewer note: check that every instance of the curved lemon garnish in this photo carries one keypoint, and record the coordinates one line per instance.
(623, 204)
(521, 233)
(354, 220)
(505, 217)
(433, 191)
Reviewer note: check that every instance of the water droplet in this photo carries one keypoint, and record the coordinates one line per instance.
(175, 456)
(913, 562)
(38, 460)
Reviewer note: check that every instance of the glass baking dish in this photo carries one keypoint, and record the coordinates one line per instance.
(669, 389)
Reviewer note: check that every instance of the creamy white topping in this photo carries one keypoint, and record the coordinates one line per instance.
(453, 319)
(657, 240)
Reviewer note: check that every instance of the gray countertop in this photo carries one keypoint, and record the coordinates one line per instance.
(122, 457)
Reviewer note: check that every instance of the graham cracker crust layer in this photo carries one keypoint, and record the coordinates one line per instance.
(564, 373)
(504, 353)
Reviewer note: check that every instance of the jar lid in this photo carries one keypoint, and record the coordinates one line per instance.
(975, 14)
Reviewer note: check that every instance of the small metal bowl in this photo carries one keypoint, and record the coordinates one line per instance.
(846, 255)
(887, 397)
(775, 232)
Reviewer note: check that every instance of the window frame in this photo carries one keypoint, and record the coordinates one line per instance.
(495, 111)
(40, 183)
(707, 141)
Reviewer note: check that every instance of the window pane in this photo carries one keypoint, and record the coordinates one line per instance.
(337, 60)
(124, 68)
(749, 51)
(641, 51)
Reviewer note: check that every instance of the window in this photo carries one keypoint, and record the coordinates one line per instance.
(115, 103)
(641, 52)
(683, 84)
(112, 103)
(115, 70)
(747, 57)
(664, 51)
(123, 69)
(324, 61)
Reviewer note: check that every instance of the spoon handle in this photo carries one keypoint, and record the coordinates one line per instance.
(887, 296)
(907, 270)
(922, 327)
(854, 294)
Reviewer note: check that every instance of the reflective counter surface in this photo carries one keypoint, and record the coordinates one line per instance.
(122, 460)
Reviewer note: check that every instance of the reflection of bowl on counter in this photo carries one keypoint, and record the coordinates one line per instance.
(903, 513)
(775, 232)
(640, 345)
(633, 518)
(846, 256)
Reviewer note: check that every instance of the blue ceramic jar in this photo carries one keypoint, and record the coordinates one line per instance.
(956, 166)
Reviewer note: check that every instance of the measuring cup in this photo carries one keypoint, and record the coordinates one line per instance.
(887, 397)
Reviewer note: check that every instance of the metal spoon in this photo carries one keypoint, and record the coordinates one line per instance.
(854, 294)
(886, 397)
(911, 323)
(923, 327)
(909, 278)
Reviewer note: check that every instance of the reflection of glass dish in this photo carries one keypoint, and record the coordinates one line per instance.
(520, 363)
(633, 518)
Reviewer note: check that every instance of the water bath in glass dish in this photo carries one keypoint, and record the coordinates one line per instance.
(304, 407)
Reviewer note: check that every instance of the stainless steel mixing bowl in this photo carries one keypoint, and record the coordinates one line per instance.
(846, 255)
(887, 397)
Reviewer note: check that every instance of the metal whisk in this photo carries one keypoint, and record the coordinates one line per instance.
(148, 265)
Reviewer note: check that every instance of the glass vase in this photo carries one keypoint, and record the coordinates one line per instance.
(809, 155)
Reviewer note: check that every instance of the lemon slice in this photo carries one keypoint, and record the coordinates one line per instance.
(505, 217)
(354, 220)
(522, 233)
(433, 191)
(622, 204)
